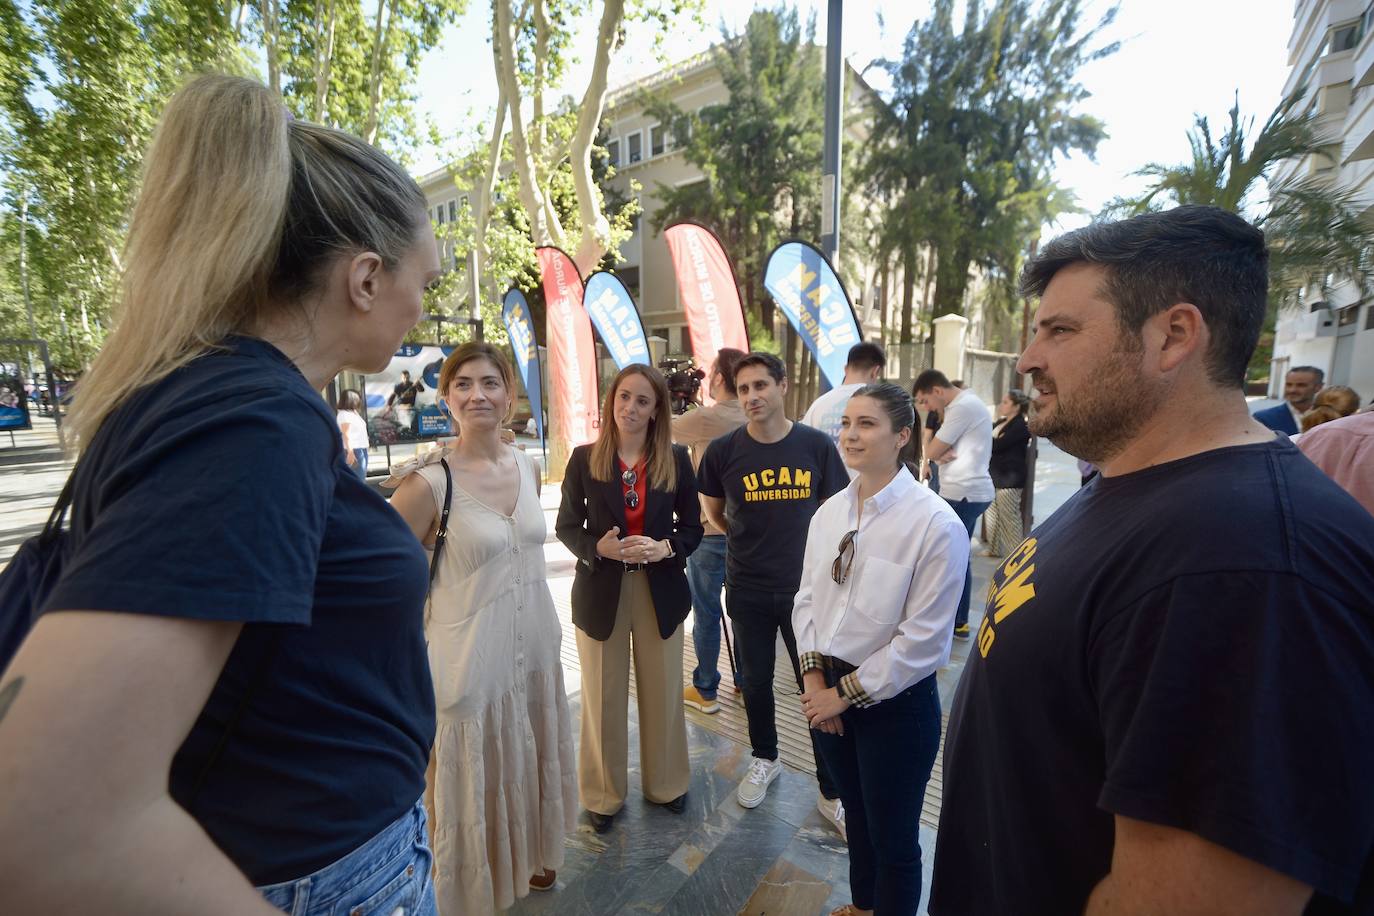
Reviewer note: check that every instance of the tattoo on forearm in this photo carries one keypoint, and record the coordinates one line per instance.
(7, 695)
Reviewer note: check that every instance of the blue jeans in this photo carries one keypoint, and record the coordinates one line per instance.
(389, 875)
(361, 467)
(881, 764)
(706, 577)
(757, 617)
(968, 514)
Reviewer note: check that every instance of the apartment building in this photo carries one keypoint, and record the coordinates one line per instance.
(1331, 61)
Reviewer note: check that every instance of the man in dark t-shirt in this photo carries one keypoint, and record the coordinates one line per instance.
(1171, 705)
(761, 484)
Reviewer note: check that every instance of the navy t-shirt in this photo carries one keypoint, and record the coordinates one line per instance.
(222, 493)
(1190, 645)
(771, 490)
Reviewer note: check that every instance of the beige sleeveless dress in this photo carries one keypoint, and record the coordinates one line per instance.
(505, 774)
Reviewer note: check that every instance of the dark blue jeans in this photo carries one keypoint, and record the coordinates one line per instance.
(968, 514)
(757, 617)
(881, 764)
(706, 577)
(360, 467)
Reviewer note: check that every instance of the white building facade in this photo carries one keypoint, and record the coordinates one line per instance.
(1331, 61)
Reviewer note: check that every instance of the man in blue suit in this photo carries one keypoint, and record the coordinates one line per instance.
(1300, 386)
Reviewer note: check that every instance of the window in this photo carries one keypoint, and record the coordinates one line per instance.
(439, 214)
(1345, 37)
(452, 211)
(656, 145)
(1369, 318)
(659, 332)
(1347, 316)
(630, 277)
(634, 147)
(613, 151)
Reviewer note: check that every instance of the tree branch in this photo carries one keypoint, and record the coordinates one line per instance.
(596, 228)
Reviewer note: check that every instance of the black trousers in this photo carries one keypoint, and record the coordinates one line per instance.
(882, 763)
(756, 618)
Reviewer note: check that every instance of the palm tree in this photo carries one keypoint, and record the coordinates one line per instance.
(1315, 232)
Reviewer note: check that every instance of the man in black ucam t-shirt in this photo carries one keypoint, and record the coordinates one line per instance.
(761, 484)
(1170, 708)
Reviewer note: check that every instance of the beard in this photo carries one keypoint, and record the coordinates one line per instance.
(1110, 405)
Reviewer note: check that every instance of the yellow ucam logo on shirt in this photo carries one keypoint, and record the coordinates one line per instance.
(1011, 587)
(780, 483)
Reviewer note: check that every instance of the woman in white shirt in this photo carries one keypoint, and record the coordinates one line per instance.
(353, 428)
(884, 568)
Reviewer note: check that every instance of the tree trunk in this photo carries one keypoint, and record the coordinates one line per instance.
(542, 230)
(482, 206)
(883, 278)
(908, 291)
(271, 23)
(381, 44)
(596, 228)
(925, 295)
(951, 281)
(324, 56)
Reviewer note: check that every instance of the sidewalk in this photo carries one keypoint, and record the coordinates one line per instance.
(32, 473)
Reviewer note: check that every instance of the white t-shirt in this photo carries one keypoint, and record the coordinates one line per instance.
(967, 429)
(357, 429)
(827, 410)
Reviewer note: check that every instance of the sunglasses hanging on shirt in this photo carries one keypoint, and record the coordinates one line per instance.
(840, 569)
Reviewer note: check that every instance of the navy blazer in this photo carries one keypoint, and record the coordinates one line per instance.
(588, 510)
(1279, 419)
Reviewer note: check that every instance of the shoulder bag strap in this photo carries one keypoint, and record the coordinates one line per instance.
(442, 533)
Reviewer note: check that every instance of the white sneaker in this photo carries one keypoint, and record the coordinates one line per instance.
(832, 809)
(755, 785)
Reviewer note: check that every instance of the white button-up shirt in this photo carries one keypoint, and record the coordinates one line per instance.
(894, 615)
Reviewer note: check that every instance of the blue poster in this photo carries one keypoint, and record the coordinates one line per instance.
(14, 403)
(805, 287)
(515, 312)
(616, 319)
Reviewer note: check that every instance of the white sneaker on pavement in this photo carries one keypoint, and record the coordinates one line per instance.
(832, 809)
(755, 785)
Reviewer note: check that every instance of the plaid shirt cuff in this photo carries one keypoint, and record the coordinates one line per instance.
(811, 661)
(854, 692)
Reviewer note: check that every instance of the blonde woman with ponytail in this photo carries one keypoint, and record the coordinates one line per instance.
(224, 705)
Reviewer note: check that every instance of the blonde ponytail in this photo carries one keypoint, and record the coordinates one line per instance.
(239, 211)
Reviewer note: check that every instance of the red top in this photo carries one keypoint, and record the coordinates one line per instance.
(634, 518)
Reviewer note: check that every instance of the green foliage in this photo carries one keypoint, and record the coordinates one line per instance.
(963, 150)
(761, 151)
(1316, 236)
(84, 82)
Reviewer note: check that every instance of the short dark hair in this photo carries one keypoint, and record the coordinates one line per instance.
(767, 360)
(866, 355)
(1203, 255)
(930, 380)
(727, 360)
(1321, 376)
(349, 399)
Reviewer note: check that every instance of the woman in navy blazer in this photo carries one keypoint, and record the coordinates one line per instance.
(631, 516)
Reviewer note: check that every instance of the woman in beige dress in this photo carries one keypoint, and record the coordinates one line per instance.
(502, 775)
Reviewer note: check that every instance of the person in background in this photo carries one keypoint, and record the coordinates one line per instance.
(706, 566)
(928, 470)
(227, 685)
(864, 364)
(1331, 403)
(353, 428)
(1300, 387)
(1186, 644)
(760, 485)
(630, 515)
(1344, 450)
(873, 616)
(503, 778)
(1010, 437)
(963, 447)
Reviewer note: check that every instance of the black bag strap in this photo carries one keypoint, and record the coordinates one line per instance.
(442, 533)
(59, 509)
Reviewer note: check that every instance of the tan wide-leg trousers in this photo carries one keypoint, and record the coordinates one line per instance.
(602, 758)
